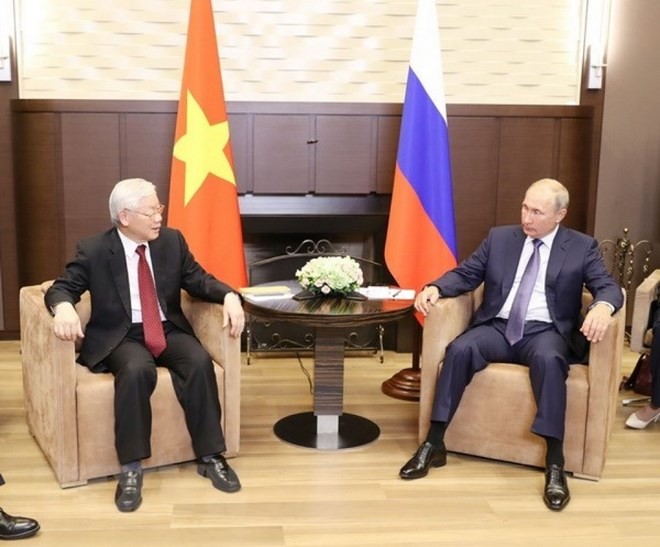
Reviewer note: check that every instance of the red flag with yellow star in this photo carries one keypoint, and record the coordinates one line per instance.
(203, 201)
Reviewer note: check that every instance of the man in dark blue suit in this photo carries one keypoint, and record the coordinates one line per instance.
(550, 336)
(130, 337)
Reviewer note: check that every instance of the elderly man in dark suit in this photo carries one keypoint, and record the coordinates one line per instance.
(136, 325)
(533, 278)
(16, 527)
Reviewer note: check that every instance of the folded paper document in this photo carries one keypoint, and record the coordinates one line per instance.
(387, 293)
(268, 290)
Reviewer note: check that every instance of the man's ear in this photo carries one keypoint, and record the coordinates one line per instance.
(561, 214)
(123, 217)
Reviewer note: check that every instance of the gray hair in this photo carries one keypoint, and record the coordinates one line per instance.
(557, 188)
(127, 194)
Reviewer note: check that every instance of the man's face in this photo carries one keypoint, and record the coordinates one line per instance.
(539, 214)
(142, 223)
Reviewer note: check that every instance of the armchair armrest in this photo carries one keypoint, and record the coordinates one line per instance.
(448, 318)
(49, 383)
(206, 320)
(645, 295)
(225, 350)
(604, 371)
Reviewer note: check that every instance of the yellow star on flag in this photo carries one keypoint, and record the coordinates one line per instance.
(202, 149)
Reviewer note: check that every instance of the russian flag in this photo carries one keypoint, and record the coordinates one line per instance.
(421, 233)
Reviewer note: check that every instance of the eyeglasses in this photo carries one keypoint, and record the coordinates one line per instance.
(157, 211)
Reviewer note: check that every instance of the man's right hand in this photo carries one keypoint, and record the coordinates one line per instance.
(428, 296)
(66, 323)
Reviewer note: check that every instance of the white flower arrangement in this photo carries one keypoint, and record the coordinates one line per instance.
(330, 274)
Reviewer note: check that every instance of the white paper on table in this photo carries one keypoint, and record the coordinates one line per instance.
(387, 293)
(262, 297)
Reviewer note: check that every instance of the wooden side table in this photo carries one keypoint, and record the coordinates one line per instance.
(327, 426)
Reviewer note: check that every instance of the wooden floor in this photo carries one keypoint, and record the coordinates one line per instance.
(301, 497)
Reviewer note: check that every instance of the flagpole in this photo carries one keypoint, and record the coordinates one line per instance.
(405, 384)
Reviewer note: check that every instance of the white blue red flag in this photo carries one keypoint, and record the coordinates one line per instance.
(421, 233)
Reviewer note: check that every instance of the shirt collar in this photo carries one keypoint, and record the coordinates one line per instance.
(547, 240)
(129, 245)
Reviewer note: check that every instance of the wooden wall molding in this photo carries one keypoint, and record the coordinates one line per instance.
(69, 153)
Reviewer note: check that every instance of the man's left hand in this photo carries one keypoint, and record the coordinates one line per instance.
(596, 322)
(233, 315)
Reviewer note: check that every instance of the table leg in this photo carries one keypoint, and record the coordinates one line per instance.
(329, 372)
(328, 426)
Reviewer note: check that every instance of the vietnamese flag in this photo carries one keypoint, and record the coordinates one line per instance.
(421, 239)
(203, 200)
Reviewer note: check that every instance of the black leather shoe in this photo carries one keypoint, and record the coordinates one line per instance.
(426, 456)
(128, 495)
(16, 527)
(222, 476)
(556, 495)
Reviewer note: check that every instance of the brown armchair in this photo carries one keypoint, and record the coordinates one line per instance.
(641, 332)
(70, 409)
(497, 409)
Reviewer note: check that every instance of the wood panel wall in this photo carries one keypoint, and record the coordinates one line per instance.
(8, 263)
(295, 159)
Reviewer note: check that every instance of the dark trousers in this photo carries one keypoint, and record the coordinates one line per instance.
(655, 360)
(193, 378)
(542, 349)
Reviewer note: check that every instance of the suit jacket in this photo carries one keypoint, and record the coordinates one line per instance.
(100, 267)
(575, 262)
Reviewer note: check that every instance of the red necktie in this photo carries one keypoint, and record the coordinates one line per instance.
(154, 337)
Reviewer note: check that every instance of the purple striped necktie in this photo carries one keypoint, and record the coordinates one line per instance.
(516, 323)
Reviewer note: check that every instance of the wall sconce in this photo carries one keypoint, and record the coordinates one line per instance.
(6, 24)
(596, 33)
(5, 58)
(595, 67)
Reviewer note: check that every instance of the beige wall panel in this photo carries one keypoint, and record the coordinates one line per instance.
(494, 51)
